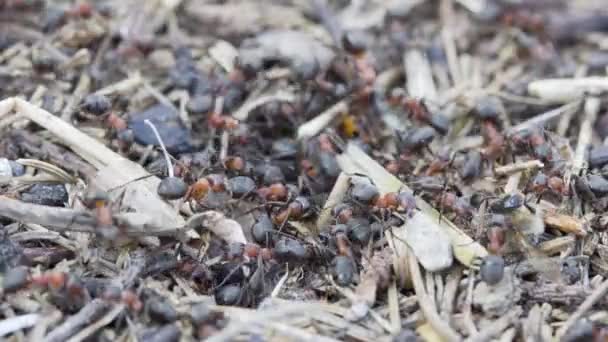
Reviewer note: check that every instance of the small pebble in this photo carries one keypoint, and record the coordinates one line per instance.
(343, 270)
(492, 269)
(200, 103)
(15, 279)
(172, 188)
(160, 310)
(228, 295)
(240, 186)
(46, 194)
(96, 104)
(176, 137)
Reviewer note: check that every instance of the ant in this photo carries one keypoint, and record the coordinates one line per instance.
(455, 204)
(342, 213)
(368, 194)
(542, 184)
(418, 110)
(299, 208)
(437, 190)
(525, 20)
(533, 142)
(212, 182)
(343, 266)
(217, 121)
(589, 187)
(440, 163)
(274, 192)
(494, 141)
(100, 202)
(73, 287)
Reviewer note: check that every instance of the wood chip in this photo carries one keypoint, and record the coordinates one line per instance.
(563, 90)
(565, 223)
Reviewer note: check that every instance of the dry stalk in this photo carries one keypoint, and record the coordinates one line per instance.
(82, 88)
(420, 82)
(426, 303)
(468, 306)
(541, 119)
(498, 326)
(585, 306)
(243, 111)
(319, 122)
(335, 197)
(102, 322)
(122, 87)
(519, 167)
(66, 219)
(17, 323)
(75, 323)
(162, 146)
(564, 90)
(592, 107)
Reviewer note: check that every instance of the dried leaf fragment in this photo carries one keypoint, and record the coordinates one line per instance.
(227, 229)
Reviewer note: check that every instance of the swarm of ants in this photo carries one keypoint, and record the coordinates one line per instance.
(273, 185)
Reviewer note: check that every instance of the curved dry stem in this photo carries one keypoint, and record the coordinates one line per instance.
(162, 146)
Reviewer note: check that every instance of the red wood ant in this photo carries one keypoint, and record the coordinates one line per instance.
(420, 112)
(368, 194)
(74, 288)
(455, 204)
(297, 209)
(494, 139)
(542, 184)
(533, 142)
(218, 121)
(274, 192)
(211, 182)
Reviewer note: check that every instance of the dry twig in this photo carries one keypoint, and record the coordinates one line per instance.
(426, 304)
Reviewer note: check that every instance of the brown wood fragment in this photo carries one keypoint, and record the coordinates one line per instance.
(565, 223)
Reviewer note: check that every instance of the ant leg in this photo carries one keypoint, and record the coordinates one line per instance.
(527, 205)
(453, 158)
(286, 219)
(440, 211)
(445, 185)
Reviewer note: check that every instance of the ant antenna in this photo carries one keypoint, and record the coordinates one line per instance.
(445, 185)
(162, 146)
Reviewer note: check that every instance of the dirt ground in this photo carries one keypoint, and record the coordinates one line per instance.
(290, 170)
